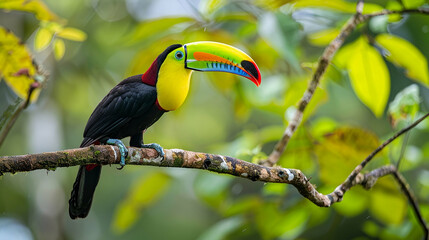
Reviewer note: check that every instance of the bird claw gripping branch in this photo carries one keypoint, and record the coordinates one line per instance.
(155, 146)
(122, 149)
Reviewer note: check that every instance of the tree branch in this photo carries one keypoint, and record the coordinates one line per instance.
(105, 154)
(322, 65)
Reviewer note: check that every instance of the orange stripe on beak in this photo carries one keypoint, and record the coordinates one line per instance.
(202, 56)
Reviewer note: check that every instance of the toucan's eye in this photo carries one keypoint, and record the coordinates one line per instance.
(179, 55)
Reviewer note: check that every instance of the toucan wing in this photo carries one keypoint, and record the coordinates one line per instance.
(129, 99)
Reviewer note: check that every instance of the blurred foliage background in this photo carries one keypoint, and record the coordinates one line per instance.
(376, 85)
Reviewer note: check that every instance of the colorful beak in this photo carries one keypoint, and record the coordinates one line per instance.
(219, 57)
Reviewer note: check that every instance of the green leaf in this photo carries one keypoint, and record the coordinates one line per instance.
(343, 55)
(278, 189)
(413, 3)
(322, 126)
(354, 202)
(300, 153)
(158, 28)
(16, 65)
(37, 7)
(73, 34)
(212, 188)
(405, 106)
(406, 55)
(42, 39)
(336, 5)
(223, 228)
(272, 222)
(371, 229)
(369, 76)
(324, 37)
(59, 49)
(395, 6)
(286, 95)
(283, 33)
(387, 202)
(238, 16)
(242, 205)
(144, 192)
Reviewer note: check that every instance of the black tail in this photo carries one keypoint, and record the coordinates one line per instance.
(83, 190)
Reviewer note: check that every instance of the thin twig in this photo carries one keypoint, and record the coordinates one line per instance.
(403, 148)
(413, 201)
(369, 179)
(17, 112)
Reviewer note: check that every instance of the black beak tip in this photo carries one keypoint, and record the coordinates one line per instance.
(251, 68)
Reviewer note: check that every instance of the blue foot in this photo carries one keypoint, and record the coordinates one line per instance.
(155, 146)
(122, 149)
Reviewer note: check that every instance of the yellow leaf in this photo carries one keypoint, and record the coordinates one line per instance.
(51, 26)
(73, 34)
(16, 65)
(37, 7)
(342, 57)
(324, 37)
(148, 188)
(143, 193)
(406, 55)
(341, 151)
(59, 48)
(125, 216)
(42, 39)
(369, 76)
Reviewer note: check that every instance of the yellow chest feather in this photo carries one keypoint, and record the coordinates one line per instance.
(172, 85)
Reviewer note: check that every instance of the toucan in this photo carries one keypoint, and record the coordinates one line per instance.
(139, 101)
